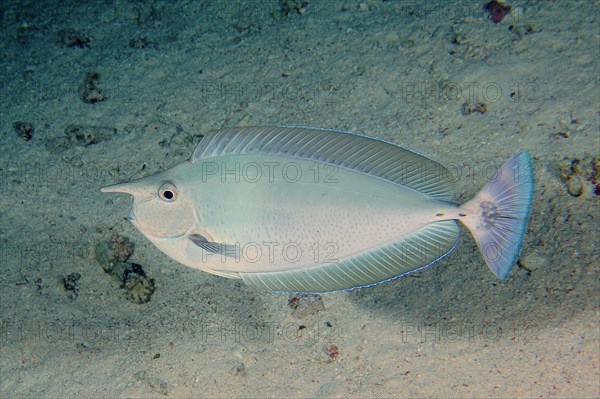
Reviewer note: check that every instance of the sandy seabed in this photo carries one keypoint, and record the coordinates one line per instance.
(96, 93)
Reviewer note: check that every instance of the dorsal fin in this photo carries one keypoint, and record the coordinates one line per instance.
(349, 150)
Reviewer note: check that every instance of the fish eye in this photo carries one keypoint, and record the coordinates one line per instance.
(168, 192)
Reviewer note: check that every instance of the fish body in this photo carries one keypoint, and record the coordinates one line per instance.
(315, 210)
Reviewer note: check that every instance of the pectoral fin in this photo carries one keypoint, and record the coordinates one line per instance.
(213, 247)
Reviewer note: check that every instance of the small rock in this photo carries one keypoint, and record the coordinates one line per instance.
(533, 262)
(112, 256)
(24, 130)
(132, 277)
(576, 173)
(139, 287)
(332, 352)
(239, 369)
(472, 107)
(303, 305)
(85, 135)
(73, 38)
(116, 250)
(293, 6)
(70, 284)
(89, 92)
(575, 186)
(83, 347)
(497, 10)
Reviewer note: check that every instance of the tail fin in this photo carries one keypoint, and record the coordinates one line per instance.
(497, 217)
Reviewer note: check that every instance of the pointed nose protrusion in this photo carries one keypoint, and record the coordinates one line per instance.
(132, 188)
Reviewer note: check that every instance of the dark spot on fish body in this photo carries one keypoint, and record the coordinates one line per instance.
(489, 213)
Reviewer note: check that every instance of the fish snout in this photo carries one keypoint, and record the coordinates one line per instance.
(131, 188)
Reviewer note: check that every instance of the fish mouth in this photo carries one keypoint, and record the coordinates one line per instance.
(134, 221)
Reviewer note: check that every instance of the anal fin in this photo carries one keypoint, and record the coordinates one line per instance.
(409, 254)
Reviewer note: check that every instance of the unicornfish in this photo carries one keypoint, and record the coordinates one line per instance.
(316, 210)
